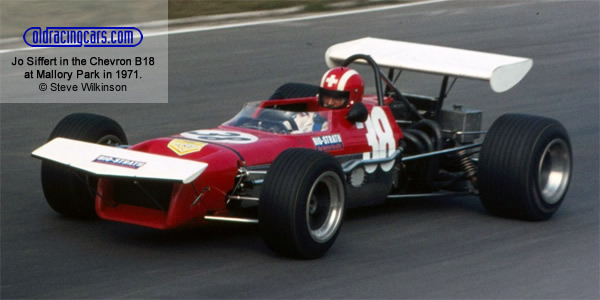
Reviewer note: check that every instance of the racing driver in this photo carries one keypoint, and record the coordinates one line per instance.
(340, 87)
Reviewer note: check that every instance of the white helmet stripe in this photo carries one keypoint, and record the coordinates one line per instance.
(344, 79)
(323, 78)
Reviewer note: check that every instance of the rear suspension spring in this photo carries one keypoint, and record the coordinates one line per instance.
(467, 164)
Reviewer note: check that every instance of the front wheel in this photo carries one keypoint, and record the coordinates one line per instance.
(69, 192)
(302, 203)
(525, 167)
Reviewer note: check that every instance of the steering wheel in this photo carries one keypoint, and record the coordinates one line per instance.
(271, 115)
(265, 125)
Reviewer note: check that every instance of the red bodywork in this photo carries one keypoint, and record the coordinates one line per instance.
(187, 204)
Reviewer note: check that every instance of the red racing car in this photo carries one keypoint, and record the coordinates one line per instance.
(295, 162)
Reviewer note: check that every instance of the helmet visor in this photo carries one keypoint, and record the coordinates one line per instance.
(333, 99)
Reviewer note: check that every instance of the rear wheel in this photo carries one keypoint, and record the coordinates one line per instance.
(69, 192)
(302, 203)
(295, 90)
(525, 167)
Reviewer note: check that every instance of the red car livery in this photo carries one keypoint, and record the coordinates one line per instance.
(293, 164)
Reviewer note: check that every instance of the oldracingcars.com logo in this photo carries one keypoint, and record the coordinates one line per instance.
(83, 37)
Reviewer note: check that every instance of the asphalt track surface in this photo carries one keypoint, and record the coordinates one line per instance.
(420, 248)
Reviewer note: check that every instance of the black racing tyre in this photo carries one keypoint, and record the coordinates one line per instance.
(295, 90)
(524, 167)
(301, 204)
(69, 192)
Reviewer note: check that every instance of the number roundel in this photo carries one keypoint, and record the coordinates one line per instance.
(380, 137)
(220, 136)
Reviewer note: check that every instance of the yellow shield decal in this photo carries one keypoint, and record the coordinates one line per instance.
(183, 147)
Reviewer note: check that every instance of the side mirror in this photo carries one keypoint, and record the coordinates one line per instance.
(358, 113)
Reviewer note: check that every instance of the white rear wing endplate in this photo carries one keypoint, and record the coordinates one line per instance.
(502, 71)
(106, 161)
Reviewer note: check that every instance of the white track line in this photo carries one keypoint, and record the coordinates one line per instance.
(296, 19)
(263, 22)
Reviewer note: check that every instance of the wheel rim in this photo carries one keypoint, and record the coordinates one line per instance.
(325, 207)
(554, 171)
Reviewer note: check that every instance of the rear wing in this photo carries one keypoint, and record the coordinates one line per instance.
(502, 71)
(106, 161)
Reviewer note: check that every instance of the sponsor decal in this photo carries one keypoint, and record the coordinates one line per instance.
(328, 142)
(183, 147)
(120, 162)
(220, 136)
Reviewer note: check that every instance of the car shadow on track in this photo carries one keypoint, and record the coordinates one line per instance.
(440, 205)
(224, 237)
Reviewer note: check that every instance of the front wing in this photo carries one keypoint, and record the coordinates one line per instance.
(106, 161)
